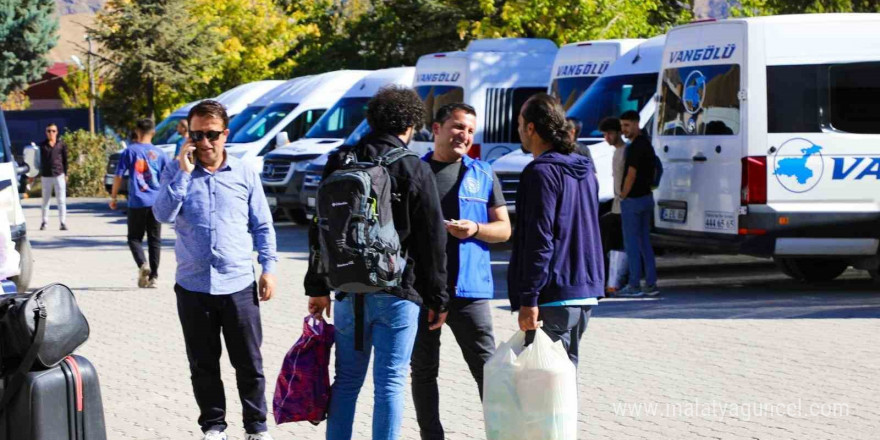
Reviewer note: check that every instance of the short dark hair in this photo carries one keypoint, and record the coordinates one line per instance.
(145, 125)
(609, 124)
(630, 115)
(548, 116)
(51, 124)
(209, 109)
(394, 109)
(445, 112)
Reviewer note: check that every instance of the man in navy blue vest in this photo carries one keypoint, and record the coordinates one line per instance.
(476, 215)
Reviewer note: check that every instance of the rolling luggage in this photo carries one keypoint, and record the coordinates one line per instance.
(60, 403)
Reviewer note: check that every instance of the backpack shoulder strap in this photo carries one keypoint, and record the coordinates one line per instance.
(393, 155)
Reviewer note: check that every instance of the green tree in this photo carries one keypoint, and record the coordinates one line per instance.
(365, 34)
(565, 21)
(27, 32)
(749, 8)
(154, 51)
(250, 35)
(75, 93)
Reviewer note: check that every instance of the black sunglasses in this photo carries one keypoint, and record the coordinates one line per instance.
(212, 135)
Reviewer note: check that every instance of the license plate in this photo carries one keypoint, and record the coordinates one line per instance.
(273, 202)
(311, 202)
(674, 215)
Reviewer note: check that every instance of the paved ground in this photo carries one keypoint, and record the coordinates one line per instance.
(733, 350)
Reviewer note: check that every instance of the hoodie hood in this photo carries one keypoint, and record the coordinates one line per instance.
(572, 164)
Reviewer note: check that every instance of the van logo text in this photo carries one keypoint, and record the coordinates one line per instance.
(856, 168)
(708, 53)
(587, 69)
(439, 77)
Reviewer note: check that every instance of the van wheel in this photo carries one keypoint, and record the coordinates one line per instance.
(812, 269)
(297, 216)
(26, 265)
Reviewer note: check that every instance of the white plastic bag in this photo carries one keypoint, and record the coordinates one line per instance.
(530, 393)
(618, 269)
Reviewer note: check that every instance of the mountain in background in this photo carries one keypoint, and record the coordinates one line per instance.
(67, 7)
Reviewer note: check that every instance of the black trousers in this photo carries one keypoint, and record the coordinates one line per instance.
(237, 316)
(471, 323)
(140, 221)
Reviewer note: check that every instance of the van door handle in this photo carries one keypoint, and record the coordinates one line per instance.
(699, 158)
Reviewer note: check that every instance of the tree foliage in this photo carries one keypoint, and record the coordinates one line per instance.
(750, 8)
(75, 93)
(566, 21)
(250, 35)
(27, 32)
(153, 52)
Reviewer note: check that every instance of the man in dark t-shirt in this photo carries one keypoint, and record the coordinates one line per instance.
(637, 208)
(476, 214)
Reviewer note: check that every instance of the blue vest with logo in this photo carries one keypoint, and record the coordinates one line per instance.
(474, 261)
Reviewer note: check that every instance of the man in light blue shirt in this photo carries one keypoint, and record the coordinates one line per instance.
(220, 214)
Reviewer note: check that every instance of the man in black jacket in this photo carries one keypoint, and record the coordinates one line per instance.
(53, 173)
(390, 317)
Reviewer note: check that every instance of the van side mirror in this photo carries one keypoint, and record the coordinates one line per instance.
(31, 155)
(281, 139)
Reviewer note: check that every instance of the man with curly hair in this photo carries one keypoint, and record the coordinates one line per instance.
(388, 319)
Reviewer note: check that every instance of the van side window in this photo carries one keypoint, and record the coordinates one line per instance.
(794, 99)
(854, 90)
(700, 100)
(501, 122)
(435, 97)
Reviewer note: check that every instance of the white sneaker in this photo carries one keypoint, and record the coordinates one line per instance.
(214, 435)
(258, 436)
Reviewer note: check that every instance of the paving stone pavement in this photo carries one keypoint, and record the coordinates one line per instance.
(747, 356)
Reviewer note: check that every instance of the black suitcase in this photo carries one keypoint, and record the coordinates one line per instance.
(61, 403)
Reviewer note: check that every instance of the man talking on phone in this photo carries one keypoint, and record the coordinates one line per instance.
(220, 214)
(476, 215)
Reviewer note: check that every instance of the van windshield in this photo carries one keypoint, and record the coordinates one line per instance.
(341, 119)
(435, 97)
(166, 131)
(611, 96)
(264, 122)
(568, 90)
(243, 118)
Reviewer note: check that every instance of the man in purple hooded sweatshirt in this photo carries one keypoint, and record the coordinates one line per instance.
(556, 272)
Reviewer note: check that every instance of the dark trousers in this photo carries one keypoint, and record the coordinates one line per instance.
(566, 324)
(140, 221)
(471, 323)
(203, 318)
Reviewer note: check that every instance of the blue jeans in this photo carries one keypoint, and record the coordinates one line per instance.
(390, 325)
(636, 216)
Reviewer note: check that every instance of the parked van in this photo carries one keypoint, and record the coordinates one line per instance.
(495, 76)
(768, 130)
(253, 109)
(282, 165)
(10, 203)
(627, 83)
(291, 115)
(235, 100)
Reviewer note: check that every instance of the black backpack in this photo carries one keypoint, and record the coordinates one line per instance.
(359, 246)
